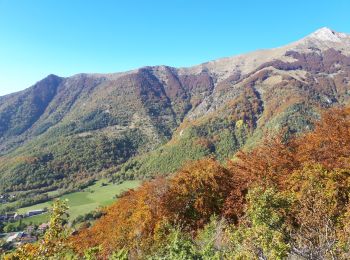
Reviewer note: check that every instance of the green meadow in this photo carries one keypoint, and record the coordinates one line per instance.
(100, 194)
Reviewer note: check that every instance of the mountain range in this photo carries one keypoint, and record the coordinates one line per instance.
(62, 132)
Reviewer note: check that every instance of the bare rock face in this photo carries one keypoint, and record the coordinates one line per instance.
(276, 88)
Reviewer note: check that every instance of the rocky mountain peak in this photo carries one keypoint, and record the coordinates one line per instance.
(327, 34)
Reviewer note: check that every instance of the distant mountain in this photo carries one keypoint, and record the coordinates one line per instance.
(63, 131)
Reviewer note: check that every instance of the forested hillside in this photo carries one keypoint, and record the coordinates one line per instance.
(281, 198)
(126, 133)
(284, 198)
(63, 132)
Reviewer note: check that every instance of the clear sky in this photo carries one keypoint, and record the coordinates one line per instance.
(65, 37)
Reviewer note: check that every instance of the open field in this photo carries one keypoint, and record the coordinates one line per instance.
(36, 220)
(83, 202)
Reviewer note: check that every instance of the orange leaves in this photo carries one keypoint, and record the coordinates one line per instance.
(275, 160)
(137, 221)
(271, 162)
(188, 199)
(196, 192)
(315, 184)
(329, 143)
(267, 163)
(129, 222)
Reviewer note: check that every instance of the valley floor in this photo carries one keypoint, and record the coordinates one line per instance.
(100, 194)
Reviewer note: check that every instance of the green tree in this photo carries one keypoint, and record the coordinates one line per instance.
(262, 234)
(120, 255)
(55, 237)
(178, 247)
(91, 253)
(211, 239)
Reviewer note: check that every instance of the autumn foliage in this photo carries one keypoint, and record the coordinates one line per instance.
(274, 160)
(308, 177)
(189, 198)
(196, 193)
(130, 222)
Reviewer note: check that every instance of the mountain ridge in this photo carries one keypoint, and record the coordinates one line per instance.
(142, 119)
(320, 31)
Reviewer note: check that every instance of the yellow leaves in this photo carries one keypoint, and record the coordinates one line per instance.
(321, 190)
(25, 252)
(239, 123)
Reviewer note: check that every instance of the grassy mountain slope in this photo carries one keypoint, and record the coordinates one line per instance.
(62, 132)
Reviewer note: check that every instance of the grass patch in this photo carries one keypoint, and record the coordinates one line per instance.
(36, 220)
(85, 201)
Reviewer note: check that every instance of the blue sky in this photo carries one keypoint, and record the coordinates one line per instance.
(65, 37)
